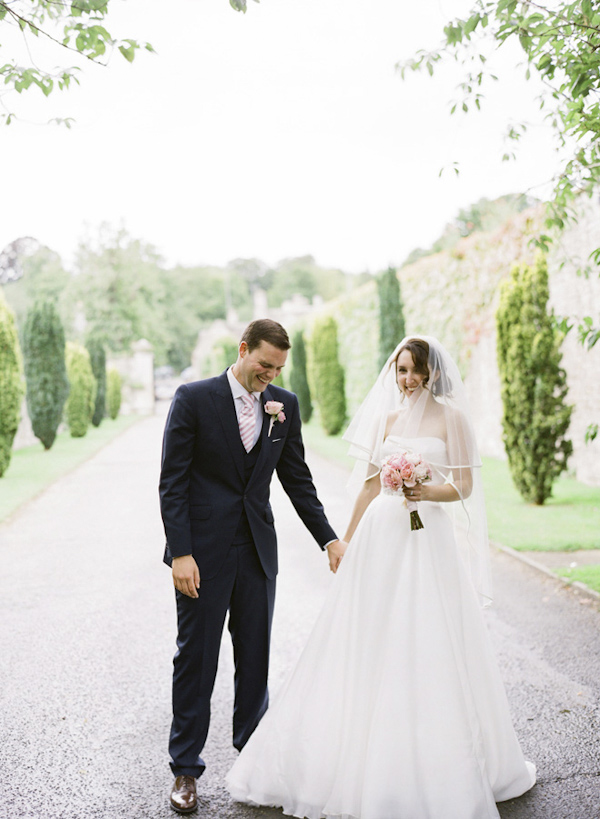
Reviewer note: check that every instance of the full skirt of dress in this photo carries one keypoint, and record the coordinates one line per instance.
(396, 708)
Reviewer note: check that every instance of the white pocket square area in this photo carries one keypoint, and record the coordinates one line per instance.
(274, 440)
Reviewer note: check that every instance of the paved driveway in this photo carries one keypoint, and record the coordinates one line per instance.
(87, 637)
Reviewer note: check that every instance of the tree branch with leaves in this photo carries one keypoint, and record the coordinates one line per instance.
(76, 27)
(561, 45)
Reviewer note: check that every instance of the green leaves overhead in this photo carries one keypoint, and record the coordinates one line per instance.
(240, 5)
(561, 45)
(77, 27)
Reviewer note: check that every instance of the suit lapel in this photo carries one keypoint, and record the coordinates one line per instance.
(225, 409)
(264, 432)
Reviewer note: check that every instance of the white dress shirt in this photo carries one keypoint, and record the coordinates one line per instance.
(238, 392)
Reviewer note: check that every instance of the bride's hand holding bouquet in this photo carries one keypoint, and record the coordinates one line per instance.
(405, 473)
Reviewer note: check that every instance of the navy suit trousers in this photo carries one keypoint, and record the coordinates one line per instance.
(242, 589)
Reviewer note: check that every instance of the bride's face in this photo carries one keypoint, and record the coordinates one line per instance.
(410, 380)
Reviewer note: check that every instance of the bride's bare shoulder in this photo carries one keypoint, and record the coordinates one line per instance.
(455, 416)
(391, 420)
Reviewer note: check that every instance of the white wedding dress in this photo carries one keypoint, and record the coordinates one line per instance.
(396, 708)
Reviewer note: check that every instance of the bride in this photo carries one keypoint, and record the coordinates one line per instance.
(396, 708)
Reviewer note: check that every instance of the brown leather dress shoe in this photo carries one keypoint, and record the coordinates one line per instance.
(183, 794)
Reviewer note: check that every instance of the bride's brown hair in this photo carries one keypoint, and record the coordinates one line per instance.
(419, 349)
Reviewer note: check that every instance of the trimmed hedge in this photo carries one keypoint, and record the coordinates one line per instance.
(534, 386)
(392, 327)
(299, 376)
(82, 396)
(95, 348)
(113, 392)
(328, 376)
(45, 370)
(11, 383)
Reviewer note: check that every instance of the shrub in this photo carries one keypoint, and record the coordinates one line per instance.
(97, 353)
(328, 376)
(45, 370)
(391, 317)
(11, 383)
(299, 378)
(82, 396)
(223, 354)
(113, 392)
(535, 418)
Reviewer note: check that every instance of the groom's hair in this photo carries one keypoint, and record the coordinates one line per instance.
(265, 330)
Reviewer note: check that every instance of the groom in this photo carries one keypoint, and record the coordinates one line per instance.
(220, 449)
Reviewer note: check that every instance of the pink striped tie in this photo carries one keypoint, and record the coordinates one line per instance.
(247, 422)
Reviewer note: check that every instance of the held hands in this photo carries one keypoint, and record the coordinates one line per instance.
(335, 552)
(186, 575)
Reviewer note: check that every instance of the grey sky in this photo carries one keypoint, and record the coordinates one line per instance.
(277, 133)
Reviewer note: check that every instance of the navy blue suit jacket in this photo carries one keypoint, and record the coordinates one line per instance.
(202, 484)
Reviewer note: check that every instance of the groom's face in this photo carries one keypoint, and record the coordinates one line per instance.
(257, 368)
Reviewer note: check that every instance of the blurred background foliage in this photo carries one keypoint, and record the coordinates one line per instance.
(119, 290)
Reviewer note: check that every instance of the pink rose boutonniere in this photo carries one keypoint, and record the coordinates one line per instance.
(408, 469)
(275, 410)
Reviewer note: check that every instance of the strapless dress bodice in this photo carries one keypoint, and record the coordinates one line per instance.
(432, 449)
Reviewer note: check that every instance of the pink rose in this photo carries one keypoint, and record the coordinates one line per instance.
(274, 408)
(390, 473)
(407, 473)
(422, 473)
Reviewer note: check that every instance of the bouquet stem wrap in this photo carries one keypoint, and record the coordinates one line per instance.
(415, 518)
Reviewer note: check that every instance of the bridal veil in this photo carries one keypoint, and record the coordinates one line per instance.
(440, 411)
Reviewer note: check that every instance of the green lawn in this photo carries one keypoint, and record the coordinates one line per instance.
(589, 575)
(570, 520)
(32, 468)
(329, 446)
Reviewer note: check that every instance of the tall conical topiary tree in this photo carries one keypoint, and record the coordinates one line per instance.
(391, 316)
(328, 376)
(534, 388)
(45, 370)
(95, 348)
(113, 392)
(82, 396)
(11, 383)
(299, 377)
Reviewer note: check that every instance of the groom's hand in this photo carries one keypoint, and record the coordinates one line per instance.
(335, 551)
(186, 575)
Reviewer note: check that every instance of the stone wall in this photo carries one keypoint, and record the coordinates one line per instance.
(571, 296)
(575, 297)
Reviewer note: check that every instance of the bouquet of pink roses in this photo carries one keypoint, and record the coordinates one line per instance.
(406, 469)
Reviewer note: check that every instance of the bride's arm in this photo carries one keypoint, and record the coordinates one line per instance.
(462, 477)
(369, 491)
(437, 493)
